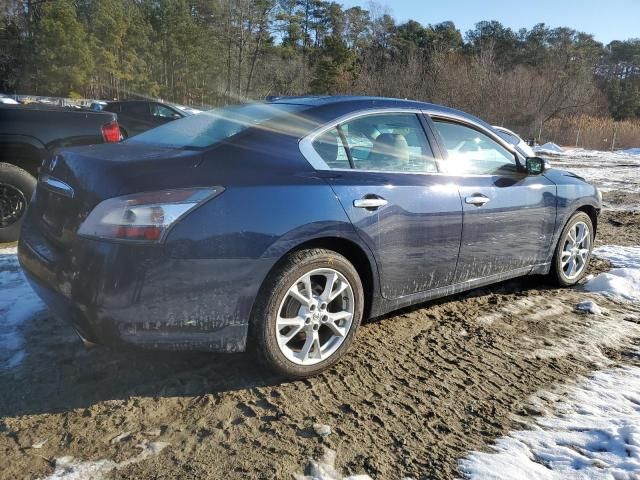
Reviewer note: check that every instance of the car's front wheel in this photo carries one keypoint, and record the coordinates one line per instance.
(573, 251)
(307, 313)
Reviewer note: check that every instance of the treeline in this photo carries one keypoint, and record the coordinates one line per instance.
(213, 52)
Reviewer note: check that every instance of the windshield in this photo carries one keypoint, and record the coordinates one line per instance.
(208, 128)
(512, 139)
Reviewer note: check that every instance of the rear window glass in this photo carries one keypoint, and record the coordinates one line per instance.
(207, 128)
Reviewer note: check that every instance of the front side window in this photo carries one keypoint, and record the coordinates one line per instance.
(378, 142)
(470, 152)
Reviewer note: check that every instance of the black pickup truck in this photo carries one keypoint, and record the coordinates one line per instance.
(28, 136)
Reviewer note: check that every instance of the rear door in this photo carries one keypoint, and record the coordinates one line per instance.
(382, 169)
(508, 215)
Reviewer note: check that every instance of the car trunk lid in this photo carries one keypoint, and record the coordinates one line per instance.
(74, 181)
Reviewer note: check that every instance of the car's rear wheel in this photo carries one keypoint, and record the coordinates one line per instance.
(307, 313)
(16, 188)
(573, 252)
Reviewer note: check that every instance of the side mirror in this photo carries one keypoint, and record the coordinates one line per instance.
(536, 165)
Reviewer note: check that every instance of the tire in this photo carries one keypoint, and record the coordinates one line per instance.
(16, 188)
(561, 273)
(320, 327)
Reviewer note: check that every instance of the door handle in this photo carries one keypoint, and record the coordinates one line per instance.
(370, 202)
(477, 200)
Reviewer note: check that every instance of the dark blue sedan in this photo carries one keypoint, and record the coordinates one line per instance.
(282, 225)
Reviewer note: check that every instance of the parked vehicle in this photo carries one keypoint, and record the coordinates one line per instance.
(28, 135)
(515, 140)
(189, 110)
(281, 226)
(8, 101)
(137, 116)
(97, 105)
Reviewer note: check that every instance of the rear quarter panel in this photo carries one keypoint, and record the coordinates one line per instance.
(266, 210)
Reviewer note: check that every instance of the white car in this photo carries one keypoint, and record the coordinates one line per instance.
(188, 110)
(514, 139)
(8, 101)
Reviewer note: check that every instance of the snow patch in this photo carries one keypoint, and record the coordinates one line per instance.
(67, 468)
(324, 469)
(548, 147)
(621, 283)
(618, 283)
(594, 434)
(589, 306)
(624, 257)
(322, 430)
(18, 304)
(607, 170)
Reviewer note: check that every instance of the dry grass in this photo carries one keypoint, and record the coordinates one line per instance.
(592, 132)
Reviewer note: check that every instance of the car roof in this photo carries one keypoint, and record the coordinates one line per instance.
(357, 102)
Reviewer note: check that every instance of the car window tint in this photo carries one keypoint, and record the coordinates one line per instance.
(470, 152)
(330, 148)
(389, 142)
(113, 107)
(138, 109)
(209, 128)
(158, 110)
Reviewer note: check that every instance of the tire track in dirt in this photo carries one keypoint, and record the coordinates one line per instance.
(418, 390)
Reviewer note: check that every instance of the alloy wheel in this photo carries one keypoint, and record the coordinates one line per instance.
(315, 316)
(576, 249)
(12, 205)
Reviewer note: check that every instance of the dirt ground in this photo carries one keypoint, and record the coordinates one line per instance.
(419, 389)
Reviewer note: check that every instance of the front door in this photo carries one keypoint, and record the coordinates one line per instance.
(508, 215)
(382, 169)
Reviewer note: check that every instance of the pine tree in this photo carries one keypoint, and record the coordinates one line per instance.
(62, 55)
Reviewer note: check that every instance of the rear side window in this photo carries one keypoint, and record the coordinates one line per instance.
(389, 142)
(138, 109)
(378, 142)
(158, 110)
(208, 128)
(470, 152)
(331, 149)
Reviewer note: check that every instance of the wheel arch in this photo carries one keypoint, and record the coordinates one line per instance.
(590, 210)
(593, 215)
(354, 253)
(23, 152)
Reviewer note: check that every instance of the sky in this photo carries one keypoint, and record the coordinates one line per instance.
(607, 20)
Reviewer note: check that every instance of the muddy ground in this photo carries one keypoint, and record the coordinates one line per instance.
(418, 390)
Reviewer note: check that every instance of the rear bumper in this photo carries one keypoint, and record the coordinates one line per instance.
(120, 294)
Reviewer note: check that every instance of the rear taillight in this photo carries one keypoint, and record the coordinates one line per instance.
(143, 217)
(111, 132)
